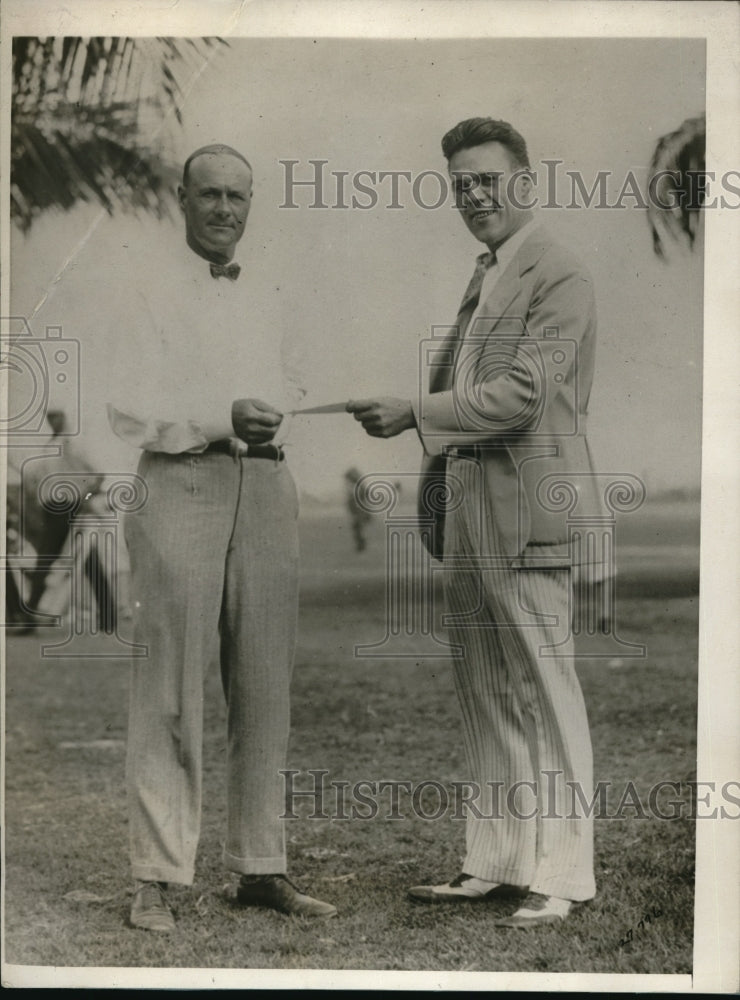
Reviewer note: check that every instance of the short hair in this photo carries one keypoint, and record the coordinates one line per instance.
(214, 147)
(476, 131)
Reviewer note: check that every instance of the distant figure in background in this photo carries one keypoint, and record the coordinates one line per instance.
(358, 512)
(47, 530)
(16, 613)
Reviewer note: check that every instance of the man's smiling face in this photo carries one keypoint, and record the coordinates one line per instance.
(484, 188)
(215, 201)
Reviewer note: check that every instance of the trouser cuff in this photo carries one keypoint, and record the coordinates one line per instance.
(162, 873)
(255, 866)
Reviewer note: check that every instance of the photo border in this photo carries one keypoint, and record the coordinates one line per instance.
(717, 913)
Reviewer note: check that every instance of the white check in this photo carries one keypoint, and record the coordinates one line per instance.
(328, 408)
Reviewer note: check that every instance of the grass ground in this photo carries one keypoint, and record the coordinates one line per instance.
(67, 882)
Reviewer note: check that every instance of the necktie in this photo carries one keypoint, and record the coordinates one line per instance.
(230, 271)
(472, 292)
(441, 377)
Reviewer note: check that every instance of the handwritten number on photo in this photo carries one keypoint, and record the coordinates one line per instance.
(647, 919)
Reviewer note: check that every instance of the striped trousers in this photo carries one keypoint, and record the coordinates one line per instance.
(214, 560)
(525, 727)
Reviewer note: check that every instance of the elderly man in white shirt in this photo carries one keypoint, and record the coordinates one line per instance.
(202, 389)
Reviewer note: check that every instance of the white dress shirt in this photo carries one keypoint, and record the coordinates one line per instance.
(187, 346)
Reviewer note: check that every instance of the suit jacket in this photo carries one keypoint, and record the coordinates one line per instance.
(517, 385)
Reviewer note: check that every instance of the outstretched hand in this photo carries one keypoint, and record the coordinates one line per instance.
(383, 417)
(254, 421)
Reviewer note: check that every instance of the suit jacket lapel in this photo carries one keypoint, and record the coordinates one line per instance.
(499, 302)
(495, 306)
(492, 311)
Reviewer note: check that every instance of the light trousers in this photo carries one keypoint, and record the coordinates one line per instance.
(214, 574)
(525, 727)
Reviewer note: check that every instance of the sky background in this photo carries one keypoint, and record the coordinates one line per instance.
(360, 289)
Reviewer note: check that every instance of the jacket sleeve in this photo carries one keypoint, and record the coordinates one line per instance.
(503, 388)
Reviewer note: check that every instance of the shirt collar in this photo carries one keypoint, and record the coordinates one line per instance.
(509, 248)
(198, 266)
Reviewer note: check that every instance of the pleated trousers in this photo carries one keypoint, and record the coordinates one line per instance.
(214, 576)
(525, 727)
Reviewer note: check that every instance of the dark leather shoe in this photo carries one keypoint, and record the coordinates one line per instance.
(465, 889)
(278, 893)
(150, 909)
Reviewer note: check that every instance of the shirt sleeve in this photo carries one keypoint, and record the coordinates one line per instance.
(293, 360)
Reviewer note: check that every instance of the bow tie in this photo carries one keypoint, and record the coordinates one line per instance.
(230, 271)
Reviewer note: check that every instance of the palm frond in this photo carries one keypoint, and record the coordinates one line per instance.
(78, 114)
(677, 197)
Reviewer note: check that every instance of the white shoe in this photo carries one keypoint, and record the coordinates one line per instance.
(538, 909)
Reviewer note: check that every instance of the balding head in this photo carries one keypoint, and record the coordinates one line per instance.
(218, 148)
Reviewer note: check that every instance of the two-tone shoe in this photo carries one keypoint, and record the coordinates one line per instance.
(536, 910)
(466, 889)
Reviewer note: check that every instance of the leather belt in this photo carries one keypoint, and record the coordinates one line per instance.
(468, 451)
(226, 446)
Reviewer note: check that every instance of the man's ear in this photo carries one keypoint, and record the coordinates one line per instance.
(181, 194)
(523, 190)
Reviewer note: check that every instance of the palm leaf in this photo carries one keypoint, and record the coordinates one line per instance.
(676, 198)
(77, 112)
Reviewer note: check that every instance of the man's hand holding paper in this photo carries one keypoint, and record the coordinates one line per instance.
(254, 421)
(383, 417)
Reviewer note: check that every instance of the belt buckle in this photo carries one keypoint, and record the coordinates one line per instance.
(464, 451)
(263, 451)
(278, 452)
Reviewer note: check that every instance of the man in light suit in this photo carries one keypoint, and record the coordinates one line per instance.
(504, 419)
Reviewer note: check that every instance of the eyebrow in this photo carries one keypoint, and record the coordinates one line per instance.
(213, 189)
(461, 175)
